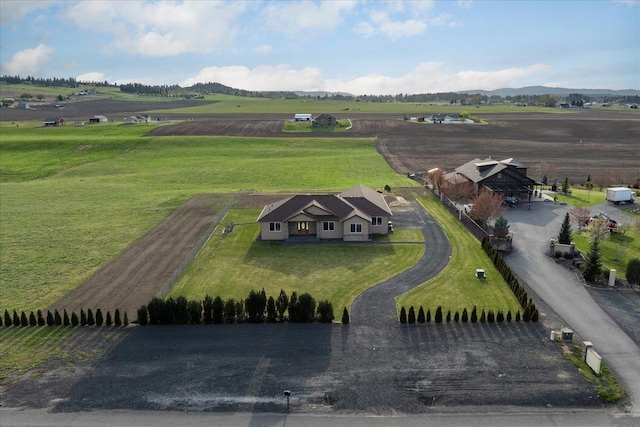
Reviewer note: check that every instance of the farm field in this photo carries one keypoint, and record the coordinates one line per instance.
(72, 200)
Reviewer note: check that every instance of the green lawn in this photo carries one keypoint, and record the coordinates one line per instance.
(74, 198)
(615, 252)
(241, 105)
(231, 265)
(456, 286)
(618, 250)
(580, 197)
(24, 348)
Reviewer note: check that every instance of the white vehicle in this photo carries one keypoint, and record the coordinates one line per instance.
(618, 195)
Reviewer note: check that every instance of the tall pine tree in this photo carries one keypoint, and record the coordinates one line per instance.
(564, 238)
(593, 266)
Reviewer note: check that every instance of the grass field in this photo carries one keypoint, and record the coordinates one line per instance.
(73, 198)
(232, 264)
(616, 252)
(456, 286)
(25, 348)
(242, 105)
(619, 249)
(581, 197)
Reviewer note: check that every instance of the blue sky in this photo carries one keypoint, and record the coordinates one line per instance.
(359, 47)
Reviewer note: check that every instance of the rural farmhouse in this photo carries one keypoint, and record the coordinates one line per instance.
(55, 121)
(352, 216)
(508, 177)
(325, 120)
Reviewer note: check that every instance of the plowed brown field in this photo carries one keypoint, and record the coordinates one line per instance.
(577, 144)
(137, 275)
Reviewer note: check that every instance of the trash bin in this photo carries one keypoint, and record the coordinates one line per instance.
(567, 334)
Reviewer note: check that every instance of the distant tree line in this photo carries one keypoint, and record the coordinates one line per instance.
(50, 82)
(462, 98)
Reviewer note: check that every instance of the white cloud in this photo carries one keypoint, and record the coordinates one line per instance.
(14, 10)
(262, 49)
(465, 4)
(629, 3)
(396, 20)
(92, 77)
(264, 77)
(160, 29)
(310, 18)
(29, 61)
(425, 78)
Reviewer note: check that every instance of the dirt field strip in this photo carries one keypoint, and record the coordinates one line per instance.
(138, 273)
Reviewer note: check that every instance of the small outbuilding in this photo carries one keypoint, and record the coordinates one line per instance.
(98, 119)
(303, 117)
(56, 121)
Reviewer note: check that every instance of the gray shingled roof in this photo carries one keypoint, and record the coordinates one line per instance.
(359, 201)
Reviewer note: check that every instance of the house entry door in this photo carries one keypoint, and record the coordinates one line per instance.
(303, 227)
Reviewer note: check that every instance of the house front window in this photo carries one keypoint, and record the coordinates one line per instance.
(274, 226)
(356, 228)
(376, 220)
(328, 225)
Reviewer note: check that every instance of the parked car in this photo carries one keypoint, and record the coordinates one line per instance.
(612, 224)
(511, 201)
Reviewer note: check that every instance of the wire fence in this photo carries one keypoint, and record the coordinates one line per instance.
(171, 281)
(473, 227)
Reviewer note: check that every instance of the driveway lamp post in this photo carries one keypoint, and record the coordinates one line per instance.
(287, 393)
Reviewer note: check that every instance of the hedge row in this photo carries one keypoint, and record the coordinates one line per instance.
(55, 319)
(485, 317)
(256, 308)
(518, 290)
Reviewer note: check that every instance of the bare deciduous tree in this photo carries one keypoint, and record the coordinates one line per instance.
(617, 177)
(580, 215)
(601, 181)
(546, 169)
(623, 227)
(436, 177)
(486, 205)
(458, 188)
(598, 229)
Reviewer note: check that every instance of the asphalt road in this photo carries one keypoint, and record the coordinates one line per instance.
(567, 295)
(481, 418)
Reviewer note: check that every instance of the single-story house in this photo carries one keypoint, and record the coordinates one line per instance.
(140, 118)
(56, 121)
(448, 118)
(325, 120)
(98, 119)
(302, 117)
(508, 177)
(23, 106)
(352, 216)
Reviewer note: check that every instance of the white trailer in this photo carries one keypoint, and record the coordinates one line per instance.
(619, 195)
